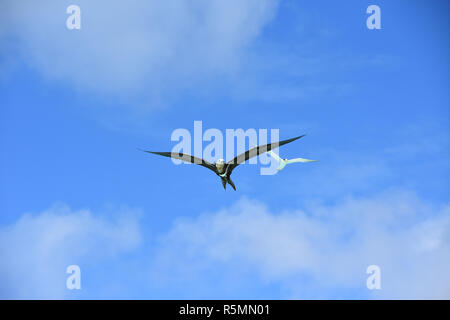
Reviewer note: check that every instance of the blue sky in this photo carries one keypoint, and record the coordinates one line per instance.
(75, 105)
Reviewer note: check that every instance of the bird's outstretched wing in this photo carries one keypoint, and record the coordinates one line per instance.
(301, 160)
(275, 156)
(185, 157)
(256, 151)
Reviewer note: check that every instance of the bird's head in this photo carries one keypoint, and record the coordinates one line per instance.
(220, 164)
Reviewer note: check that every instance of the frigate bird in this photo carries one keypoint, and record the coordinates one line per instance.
(284, 162)
(221, 168)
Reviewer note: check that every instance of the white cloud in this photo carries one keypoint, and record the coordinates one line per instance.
(125, 47)
(321, 252)
(36, 250)
(244, 251)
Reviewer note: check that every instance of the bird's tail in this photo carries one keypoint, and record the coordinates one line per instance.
(224, 183)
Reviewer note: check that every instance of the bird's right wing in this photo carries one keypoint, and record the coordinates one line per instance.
(256, 151)
(185, 157)
(300, 160)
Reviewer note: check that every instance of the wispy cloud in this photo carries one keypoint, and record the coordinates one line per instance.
(155, 47)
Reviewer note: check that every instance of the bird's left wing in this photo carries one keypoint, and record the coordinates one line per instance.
(275, 156)
(256, 151)
(185, 157)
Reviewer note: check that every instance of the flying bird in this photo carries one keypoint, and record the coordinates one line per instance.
(221, 168)
(284, 162)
